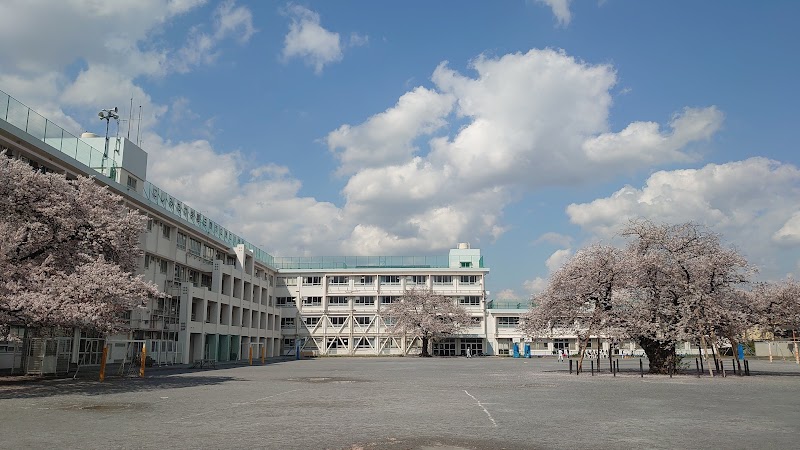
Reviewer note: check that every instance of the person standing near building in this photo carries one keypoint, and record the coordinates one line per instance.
(469, 352)
(560, 355)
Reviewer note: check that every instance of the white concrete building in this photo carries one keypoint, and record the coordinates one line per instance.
(226, 297)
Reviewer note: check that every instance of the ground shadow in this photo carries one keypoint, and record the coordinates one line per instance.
(68, 386)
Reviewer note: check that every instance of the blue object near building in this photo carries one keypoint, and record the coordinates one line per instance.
(740, 351)
(527, 352)
(516, 349)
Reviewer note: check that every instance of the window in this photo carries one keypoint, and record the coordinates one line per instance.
(338, 301)
(417, 280)
(476, 321)
(287, 322)
(470, 300)
(312, 281)
(365, 280)
(285, 301)
(337, 321)
(205, 280)
(365, 342)
(194, 277)
(163, 266)
(180, 273)
(507, 322)
(442, 279)
(208, 253)
(149, 224)
(337, 280)
(311, 321)
(195, 246)
(289, 343)
(312, 301)
(287, 281)
(469, 279)
(390, 321)
(387, 299)
(146, 261)
(181, 242)
(364, 300)
(165, 230)
(363, 320)
(390, 280)
(466, 264)
(131, 182)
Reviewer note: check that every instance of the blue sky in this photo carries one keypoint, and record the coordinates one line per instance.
(526, 128)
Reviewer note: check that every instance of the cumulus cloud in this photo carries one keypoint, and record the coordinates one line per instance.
(644, 143)
(309, 41)
(388, 137)
(229, 21)
(557, 259)
(752, 203)
(554, 238)
(523, 122)
(560, 10)
(535, 286)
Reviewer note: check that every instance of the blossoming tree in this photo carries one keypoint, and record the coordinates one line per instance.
(68, 251)
(426, 315)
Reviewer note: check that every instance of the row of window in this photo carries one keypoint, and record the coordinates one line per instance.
(335, 321)
(386, 280)
(365, 300)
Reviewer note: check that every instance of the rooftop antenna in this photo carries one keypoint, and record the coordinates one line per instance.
(138, 124)
(130, 117)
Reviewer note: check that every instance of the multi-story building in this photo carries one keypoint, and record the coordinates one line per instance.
(226, 299)
(336, 306)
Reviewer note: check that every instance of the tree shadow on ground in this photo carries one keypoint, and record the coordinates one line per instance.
(67, 386)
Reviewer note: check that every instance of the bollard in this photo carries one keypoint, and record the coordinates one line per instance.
(747, 367)
(733, 364)
(610, 363)
(702, 369)
(739, 367)
(616, 363)
(697, 365)
(670, 370)
(142, 360)
(570, 366)
(103, 363)
(592, 362)
(250, 357)
(263, 353)
(641, 368)
(614, 368)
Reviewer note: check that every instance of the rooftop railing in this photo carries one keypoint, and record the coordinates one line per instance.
(17, 114)
(375, 262)
(508, 304)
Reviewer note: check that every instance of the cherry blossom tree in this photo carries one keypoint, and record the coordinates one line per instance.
(68, 251)
(672, 283)
(421, 313)
(778, 309)
(684, 285)
(580, 298)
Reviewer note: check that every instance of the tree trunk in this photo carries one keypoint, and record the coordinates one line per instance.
(705, 348)
(661, 354)
(425, 347)
(581, 351)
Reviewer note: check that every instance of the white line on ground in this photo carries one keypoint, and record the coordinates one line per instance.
(482, 407)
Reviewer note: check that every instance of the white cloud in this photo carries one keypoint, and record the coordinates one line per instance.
(557, 259)
(388, 137)
(521, 123)
(308, 40)
(507, 294)
(536, 285)
(789, 233)
(229, 20)
(552, 237)
(752, 203)
(643, 143)
(560, 10)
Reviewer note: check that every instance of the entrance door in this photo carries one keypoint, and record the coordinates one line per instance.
(474, 345)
